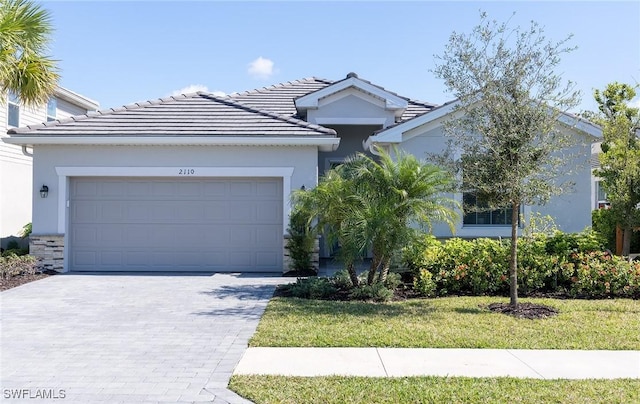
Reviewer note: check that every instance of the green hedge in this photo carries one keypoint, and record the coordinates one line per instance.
(573, 264)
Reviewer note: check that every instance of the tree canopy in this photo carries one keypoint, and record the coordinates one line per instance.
(620, 157)
(505, 122)
(25, 69)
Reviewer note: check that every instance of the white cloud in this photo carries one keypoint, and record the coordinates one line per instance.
(194, 88)
(261, 68)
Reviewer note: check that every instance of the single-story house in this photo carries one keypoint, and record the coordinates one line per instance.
(199, 182)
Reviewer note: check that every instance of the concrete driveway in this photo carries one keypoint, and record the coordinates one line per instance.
(128, 338)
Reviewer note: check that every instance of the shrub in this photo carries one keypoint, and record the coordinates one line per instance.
(393, 281)
(600, 274)
(342, 280)
(311, 288)
(301, 242)
(413, 255)
(424, 284)
(377, 292)
(26, 230)
(14, 265)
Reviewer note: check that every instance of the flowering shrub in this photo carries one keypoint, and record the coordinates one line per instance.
(566, 263)
(600, 274)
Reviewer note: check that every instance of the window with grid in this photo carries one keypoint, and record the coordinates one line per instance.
(476, 212)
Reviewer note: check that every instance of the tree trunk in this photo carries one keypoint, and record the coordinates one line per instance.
(626, 242)
(384, 270)
(513, 259)
(375, 263)
(353, 275)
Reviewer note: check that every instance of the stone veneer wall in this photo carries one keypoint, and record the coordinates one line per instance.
(315, 257)
(49, 249)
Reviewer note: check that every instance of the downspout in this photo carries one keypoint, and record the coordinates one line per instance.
(368, 144)
(25, 152)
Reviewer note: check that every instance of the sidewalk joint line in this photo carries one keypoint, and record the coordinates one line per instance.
(382, 362)
(525, 363)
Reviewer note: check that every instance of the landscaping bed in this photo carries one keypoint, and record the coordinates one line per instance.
(18, 280)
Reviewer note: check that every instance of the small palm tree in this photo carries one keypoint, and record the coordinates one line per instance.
(24, 36)
(402, 191)
(369, 205)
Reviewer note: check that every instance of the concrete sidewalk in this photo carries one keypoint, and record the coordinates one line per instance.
(400, 362)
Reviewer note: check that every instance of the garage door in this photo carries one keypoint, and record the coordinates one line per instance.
(168, 224)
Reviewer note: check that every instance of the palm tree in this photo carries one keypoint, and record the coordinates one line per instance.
(368, 205)
(401, 191)
(329, 207)
(24, 69)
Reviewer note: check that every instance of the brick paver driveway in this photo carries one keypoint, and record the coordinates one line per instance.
(128, 338)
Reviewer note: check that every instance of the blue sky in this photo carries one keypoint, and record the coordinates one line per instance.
(121, 52)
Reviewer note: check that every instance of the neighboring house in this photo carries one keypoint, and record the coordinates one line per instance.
(598, 195)
(199, 182)
(16, 187)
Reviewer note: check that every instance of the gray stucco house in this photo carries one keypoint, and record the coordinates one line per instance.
(200, 182)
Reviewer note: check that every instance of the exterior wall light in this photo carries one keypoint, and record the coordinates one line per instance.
(44, 191)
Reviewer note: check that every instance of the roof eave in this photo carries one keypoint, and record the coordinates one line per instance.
(324, 143)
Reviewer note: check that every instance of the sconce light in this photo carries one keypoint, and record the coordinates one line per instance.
(44, 191)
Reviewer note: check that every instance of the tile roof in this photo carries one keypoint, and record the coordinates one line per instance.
(198, 114)
(280, 98)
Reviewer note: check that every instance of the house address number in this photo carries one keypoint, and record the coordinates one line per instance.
(186, 171)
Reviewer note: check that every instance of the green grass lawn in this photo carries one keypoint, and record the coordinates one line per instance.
(451, 322)
(354, 390)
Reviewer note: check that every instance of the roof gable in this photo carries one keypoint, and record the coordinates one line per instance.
(280, 98)
(391, 100)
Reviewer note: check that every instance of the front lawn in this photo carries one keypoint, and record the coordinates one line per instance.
(450, 322)
(326, 390)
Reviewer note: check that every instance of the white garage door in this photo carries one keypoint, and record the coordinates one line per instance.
(168, 224)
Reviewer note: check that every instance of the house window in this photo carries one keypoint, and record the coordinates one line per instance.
(13, 110)
(52, 106)
(476, 215)
(601, 196)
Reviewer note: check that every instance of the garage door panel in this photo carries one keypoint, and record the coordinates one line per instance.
(242, 212)
(87, 235)
(84, 212)
(241, 189)
(266, 258)
(190, 224)
(268, 212)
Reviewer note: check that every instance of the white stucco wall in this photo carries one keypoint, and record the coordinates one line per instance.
(571, 211)
(16, 184)
(45, 211)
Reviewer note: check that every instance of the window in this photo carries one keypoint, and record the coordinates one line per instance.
(13, 110)
(52, 106)
(601, 196)
(498, 217)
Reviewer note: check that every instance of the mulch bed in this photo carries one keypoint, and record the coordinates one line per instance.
(22, 279)
(524, 310)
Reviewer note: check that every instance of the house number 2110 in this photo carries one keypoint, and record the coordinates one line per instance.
(186, 171)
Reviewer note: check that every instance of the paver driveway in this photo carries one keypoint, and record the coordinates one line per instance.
(128, 338)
